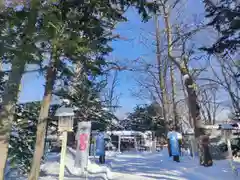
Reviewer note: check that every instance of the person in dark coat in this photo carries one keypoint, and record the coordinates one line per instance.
(205, 156)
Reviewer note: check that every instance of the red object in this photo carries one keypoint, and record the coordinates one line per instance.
(83, 142)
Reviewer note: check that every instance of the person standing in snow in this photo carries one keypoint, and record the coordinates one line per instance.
(174, 142)
(100, 147)
(205, 159)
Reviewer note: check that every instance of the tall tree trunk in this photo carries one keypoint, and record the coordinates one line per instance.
(43, 115)
(9, 100)
(11, 91)
(174, 105)
(170, 47)
(161, 72)
(192, 95)
(185, 98)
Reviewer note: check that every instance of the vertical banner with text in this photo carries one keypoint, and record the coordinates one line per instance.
(83, 141)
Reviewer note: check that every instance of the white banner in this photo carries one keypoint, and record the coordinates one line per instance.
(83, 141)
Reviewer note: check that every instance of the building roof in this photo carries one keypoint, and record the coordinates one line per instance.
(126, 133)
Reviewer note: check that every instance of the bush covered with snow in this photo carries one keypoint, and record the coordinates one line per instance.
(23, 135)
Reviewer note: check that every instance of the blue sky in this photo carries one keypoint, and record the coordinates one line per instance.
(124, 50)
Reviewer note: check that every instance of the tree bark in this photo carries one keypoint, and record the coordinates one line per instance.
(11, 91)
(186, 97)
(174, 106)
(42, 121)
(9, 100)
(176, 122)
(161, 73)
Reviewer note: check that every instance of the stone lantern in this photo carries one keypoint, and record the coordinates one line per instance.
(65, 124)
(65, 119)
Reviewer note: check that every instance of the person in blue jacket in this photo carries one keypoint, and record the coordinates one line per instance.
(100, 147)
(174, 140)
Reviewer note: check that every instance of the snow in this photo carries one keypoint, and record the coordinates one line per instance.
(159, 166)
(185, 77)
(138, 166)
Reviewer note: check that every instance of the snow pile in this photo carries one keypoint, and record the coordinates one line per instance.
(51, 164)
(93, 169)
(51, 167)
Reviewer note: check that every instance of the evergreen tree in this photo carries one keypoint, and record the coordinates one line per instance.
(83, 94)
(145, 118)
(2, 84)
(23, 136)
(224, 17)
(18, 48)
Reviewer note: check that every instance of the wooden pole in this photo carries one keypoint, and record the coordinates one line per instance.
(63, 155)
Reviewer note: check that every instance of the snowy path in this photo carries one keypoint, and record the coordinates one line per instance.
(147, 166)
(138, 166)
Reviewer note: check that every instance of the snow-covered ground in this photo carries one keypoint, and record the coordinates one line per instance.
(139, 166)
(159, 166)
